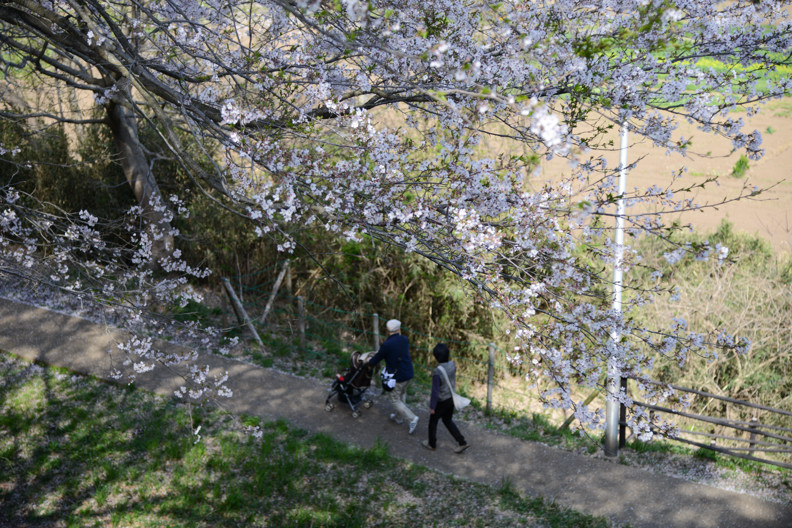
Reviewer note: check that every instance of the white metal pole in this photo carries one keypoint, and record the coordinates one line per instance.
(614, 374)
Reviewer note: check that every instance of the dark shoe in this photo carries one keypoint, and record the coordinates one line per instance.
(425, 443)
(461, 448)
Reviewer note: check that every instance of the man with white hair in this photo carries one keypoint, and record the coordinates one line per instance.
(395, 350)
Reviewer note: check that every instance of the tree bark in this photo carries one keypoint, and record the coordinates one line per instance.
(134, 163)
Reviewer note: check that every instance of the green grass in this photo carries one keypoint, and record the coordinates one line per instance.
(79, 452)
(740, 167)
(781, 108)
(539, 428)
(747, 467)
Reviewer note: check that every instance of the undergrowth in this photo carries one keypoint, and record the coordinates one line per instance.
(745, 292)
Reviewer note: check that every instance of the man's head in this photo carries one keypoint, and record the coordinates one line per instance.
(393, 326)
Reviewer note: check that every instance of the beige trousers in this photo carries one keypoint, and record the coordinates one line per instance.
(398, 398)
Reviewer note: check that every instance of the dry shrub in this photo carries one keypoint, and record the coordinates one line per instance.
(749, 294)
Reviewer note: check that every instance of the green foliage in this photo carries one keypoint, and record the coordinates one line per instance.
(364, 277)
(506, 488)
(359, 278)
(740, 167)
(745, 251)
(786, 273)
(742, 246)
(435, 22)
(196, 312)
(69, 177)
(77, 169)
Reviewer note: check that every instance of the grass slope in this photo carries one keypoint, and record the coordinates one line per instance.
(75, 451)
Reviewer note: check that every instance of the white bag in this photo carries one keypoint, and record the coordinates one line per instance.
(387, 379)
(460, 402)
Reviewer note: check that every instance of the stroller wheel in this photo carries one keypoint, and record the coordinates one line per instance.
(329, 407)
(355, 414)
(367, 404)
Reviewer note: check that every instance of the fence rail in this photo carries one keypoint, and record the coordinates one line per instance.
(724, 398)
(754, 428)
(733, 453)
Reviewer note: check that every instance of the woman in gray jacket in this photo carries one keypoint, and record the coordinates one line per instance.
(441, 405)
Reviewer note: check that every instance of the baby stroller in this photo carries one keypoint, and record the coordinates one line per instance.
(351, 385)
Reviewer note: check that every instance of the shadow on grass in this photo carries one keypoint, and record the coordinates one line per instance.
(80, 452)
(71, 445)
(75, 451)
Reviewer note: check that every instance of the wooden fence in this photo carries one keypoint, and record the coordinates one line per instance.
(740, 439)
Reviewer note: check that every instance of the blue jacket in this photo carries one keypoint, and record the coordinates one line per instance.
(396, 352)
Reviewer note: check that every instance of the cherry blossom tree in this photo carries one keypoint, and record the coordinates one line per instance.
(378, 118)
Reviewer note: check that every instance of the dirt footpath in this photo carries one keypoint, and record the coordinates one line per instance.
(599, 487)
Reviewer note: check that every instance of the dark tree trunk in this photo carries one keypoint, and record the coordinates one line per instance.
(134, 163)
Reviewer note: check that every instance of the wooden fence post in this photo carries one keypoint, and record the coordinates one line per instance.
(753, 425)
(375, 319)
(239, 310)
(274, 293)
(623, 418)
(490, 376)
(301, 321)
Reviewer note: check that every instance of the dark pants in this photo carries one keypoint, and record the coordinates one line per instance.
(444, 411)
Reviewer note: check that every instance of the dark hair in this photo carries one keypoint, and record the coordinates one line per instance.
(441, 352)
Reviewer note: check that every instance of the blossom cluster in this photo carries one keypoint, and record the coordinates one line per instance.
(423, 126)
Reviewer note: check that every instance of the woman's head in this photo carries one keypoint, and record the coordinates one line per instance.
(441, 352)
